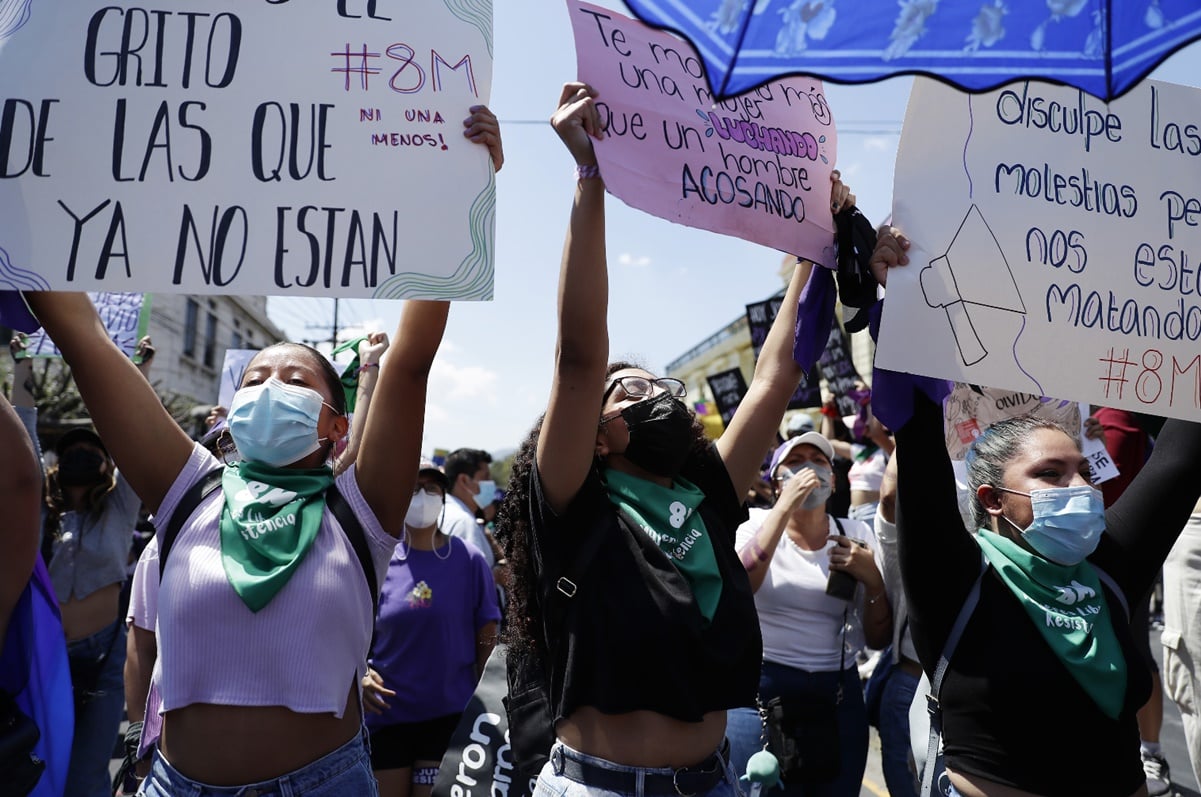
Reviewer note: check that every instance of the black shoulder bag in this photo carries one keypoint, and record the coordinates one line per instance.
(531, 724)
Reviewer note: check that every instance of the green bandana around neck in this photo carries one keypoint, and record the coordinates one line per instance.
(268, 524)
(1069, 610)
(350, 374)
(668, 516)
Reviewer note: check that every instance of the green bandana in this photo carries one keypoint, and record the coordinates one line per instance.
(1067, 607)
(668, 516)
(350, 374)
(270, 519)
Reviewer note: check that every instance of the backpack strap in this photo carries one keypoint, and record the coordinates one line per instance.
(201, 489)
(334, 501)
(353, 529)
(944, 660)
(1108, 581)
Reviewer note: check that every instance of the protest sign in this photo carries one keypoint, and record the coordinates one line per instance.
(1101, 467)
(1053, 244)
(759, 318)
(126, 316)
(232, 370)
(971, 409)
(728, 389)
(756, 166)
(278, 148)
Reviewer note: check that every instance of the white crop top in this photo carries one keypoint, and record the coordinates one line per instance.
(867, 475)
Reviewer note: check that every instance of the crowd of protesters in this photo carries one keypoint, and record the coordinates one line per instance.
(318, 602)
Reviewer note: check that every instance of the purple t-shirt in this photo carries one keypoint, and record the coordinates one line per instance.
(425, 634)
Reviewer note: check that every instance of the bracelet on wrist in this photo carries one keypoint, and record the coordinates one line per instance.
(591, 171)
(367, 367)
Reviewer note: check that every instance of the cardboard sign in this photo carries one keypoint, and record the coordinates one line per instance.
(126, 316)
(755, 166)
(1054, 242)
(728, 388)
(970, 409)
(279, 148)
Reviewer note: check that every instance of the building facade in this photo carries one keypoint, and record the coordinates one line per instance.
(191, 334)
(730, 347)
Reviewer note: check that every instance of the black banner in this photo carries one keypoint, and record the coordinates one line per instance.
(478, 762)
(728, 388)
(759, 317)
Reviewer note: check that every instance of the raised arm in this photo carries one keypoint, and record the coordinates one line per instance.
(371, 351)
(757, 554)
(1149, 516)
(148, 446)
(777, 375)
(386, 465)
(20, 495)
(567, 443)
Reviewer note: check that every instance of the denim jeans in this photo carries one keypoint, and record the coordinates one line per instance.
(98, 718)
(345, 771)
(744, 729)
(552, 783)
(894, 732)
(778, 680)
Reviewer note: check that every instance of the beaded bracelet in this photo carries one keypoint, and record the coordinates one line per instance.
(587, 172)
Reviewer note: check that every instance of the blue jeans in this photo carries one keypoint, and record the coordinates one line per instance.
(552, 783)
(778, 680)
(97, 717)
(744, 729)
(894, 732)
(345, 771)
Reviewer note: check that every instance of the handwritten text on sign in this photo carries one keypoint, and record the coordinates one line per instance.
(247, 147)
(756, 166)
(126, 316)
(1055, 242)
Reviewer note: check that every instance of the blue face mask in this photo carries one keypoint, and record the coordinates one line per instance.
(274, 423)
(486, 495)
(1068, 522)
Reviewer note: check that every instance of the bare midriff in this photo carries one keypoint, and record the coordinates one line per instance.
(976, 786)
(642, 738)
(83, 617)
(864, 497)
(236, 745)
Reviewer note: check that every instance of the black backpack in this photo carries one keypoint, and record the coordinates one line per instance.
(334, 500)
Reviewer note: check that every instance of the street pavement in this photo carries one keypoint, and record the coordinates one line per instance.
(1172, 739)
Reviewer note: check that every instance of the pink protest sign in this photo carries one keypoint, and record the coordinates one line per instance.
(756, 166)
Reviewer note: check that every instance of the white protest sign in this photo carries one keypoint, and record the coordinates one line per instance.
(755, 166)
(1101, 466)
(1054, 242)
(126, 316)
(970, 409)
(271, 147)
(232, 369)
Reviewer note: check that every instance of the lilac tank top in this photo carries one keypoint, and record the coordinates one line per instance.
(303, 650)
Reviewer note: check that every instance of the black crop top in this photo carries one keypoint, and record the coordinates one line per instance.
(633, 637)
(1012, 713)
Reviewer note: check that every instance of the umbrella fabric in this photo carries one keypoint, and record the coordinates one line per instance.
(1101, 46)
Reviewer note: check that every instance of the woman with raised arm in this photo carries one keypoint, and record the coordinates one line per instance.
(1042, 688)
(264, 610)
(659, 637)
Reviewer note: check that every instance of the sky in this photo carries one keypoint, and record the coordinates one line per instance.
(670, 286)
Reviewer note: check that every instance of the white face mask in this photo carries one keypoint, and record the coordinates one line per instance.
(424, 510)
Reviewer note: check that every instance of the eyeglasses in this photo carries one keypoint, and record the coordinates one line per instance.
(429, 489)
(641, 386)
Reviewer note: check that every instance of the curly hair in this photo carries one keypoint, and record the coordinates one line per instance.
(523, 620)
(993, 450)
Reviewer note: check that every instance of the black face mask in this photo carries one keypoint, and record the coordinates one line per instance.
(80, 467)
(660, 434)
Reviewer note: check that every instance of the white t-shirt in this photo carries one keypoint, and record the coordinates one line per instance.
(458, 521)
(801, 624)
